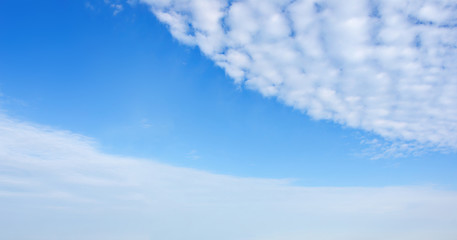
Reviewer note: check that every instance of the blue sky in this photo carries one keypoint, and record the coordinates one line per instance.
(161, 84)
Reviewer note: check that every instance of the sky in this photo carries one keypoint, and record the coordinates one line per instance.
(204, 119)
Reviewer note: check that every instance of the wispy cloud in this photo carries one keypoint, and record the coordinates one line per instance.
(55, 184)
(89, 6)
(383, 66)
(116, 6)
(193, 154)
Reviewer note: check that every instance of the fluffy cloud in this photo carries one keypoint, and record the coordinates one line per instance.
(387, 66)
(55, 184)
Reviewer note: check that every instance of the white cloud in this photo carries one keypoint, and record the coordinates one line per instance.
(55, 184)
(117, 7)
(383, 66)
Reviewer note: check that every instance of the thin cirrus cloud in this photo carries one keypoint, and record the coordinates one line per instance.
(386, 67)
(55, 184)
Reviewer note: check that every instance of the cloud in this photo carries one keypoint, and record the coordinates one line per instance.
(89, 6)
(117, 7)
(387, 67)
(55, 184)
(193, 155)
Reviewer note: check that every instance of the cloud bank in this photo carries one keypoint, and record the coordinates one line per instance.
(55, 184)
(386, 67)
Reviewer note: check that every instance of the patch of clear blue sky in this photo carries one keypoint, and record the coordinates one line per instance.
(125, 82)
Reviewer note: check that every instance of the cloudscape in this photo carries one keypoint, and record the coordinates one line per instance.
(232, 120)
(383, 66)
